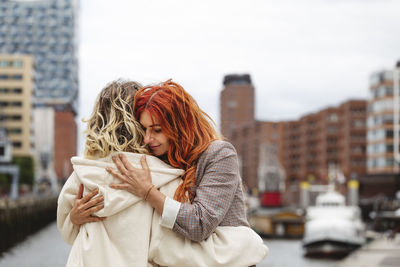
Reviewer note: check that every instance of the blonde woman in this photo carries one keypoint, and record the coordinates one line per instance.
(110, 227)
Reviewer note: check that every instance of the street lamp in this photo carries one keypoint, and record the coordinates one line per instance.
(396, 76)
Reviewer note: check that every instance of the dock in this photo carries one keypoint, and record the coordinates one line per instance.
(277, 223)
(382, 252)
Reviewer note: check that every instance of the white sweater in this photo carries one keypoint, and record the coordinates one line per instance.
(132, 236)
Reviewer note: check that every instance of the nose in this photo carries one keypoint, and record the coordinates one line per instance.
(147, 137)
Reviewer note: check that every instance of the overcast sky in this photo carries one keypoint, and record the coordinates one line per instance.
(302, 55)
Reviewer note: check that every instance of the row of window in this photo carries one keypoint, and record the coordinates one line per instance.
(358, 123)
(10, 117)
(13, 130)
(380, 120)
(357, 111)
(380, 77)
(11, 63)
(10, 77)
(378, 134)
(10, 104)
(380, 162)
(11, 90)
(381, 105)
(383, 91)
(380, 148)
(313, 166)
(332, 117)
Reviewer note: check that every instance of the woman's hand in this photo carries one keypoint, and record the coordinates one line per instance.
(134, 180)
(84, 207)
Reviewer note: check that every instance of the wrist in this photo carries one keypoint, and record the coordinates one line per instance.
(147, 193)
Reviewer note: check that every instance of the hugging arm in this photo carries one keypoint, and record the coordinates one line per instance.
(214, 195)
(70, 190)
(74, 209)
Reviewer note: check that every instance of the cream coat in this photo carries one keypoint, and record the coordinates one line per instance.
(132, 236)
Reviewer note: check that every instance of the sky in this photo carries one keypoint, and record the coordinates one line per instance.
(302, 55)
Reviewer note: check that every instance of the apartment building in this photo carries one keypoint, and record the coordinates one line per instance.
(380, 132)
(332, 136)
(16, 89)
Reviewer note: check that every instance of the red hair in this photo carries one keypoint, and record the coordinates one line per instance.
(188, 129)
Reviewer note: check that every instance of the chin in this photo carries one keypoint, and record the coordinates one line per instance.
(158, 154)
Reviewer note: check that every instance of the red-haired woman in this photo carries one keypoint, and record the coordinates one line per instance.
(180, 133)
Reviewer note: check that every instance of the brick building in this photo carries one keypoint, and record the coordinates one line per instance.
(236, 103)
(335, 135)
(304, 148)
(64, 148)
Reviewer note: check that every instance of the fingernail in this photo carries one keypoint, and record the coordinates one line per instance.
(113, 157)
(120, 155)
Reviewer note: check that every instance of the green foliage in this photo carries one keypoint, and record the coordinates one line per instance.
(5, 181)
(26, 169)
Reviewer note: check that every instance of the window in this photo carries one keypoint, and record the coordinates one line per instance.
(16, 104)
(17, 144)
(4, 63)
(17, 64)
(358, 123)
(332, 129)
(15, 117)
(3, 77)
(17, 77)
(17, 90)
(3, 90)
(332, 117)
(14, 130)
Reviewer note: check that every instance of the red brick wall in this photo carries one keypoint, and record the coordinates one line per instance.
(65, 142)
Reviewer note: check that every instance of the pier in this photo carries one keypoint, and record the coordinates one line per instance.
(384, 252)
(24, 216)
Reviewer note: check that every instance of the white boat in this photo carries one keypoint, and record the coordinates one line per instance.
(332, 228)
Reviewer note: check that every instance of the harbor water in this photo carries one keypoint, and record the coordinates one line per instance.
(46, 249)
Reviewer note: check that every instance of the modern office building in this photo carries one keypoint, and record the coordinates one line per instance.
(16, 89)
(47, 30)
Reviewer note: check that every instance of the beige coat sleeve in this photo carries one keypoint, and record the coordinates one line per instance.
(65, 203)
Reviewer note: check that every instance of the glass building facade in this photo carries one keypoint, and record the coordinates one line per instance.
(380, 134)
(46, 29)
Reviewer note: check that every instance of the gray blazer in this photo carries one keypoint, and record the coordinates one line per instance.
(219, 196)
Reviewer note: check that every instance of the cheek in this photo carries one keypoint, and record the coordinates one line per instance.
(165, 141)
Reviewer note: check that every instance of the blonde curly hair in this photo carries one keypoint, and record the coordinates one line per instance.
(112, 126)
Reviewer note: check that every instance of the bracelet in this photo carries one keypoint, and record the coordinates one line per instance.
(148, 192)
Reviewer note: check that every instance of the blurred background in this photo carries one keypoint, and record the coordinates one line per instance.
(307, 91)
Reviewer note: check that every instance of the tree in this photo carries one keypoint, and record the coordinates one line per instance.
(26, 169)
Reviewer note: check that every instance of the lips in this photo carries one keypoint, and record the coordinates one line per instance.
(153, 147)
